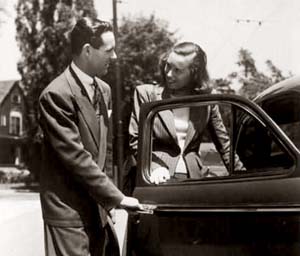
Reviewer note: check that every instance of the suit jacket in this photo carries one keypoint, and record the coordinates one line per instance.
(166, 151)
(75, 190)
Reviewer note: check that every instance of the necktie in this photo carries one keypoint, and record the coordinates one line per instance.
(98, 103)
(102, 118)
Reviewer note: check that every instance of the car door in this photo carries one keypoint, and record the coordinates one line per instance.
(250, 210)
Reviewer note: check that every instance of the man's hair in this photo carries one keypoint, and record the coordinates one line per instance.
(88, 31)
(198, 67)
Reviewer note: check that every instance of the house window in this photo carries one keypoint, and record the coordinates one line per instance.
(3, 120)
(15, 123)
(16, 98)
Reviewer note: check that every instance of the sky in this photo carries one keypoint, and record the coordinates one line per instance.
(269, 29)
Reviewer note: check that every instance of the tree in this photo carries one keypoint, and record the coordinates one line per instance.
(252, 80)
(276, 74)
(246, 62)
(3, 11)
(42, 28)
(222, 86)
(141, 40)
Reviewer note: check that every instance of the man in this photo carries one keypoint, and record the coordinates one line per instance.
(76, 194)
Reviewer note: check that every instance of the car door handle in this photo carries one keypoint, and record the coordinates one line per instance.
(147, 209)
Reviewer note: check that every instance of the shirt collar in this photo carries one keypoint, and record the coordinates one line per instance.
(84, 78)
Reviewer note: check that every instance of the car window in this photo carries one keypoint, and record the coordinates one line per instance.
(292, 131)
(259, 148)
(284, 110)
(214, 141)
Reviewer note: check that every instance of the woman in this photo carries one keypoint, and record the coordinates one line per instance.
(184, 73)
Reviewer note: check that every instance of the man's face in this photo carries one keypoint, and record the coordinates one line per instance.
(101, 58)
(177, 70)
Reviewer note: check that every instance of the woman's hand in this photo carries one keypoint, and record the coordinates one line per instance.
(159, 175)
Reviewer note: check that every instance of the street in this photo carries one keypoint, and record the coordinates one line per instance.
(21, 232)
(21, 224)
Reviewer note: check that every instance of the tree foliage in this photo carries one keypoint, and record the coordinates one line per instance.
(250, 80)
(222, 85)
(253, 81)
(42, 28)
(3, 11)
(276, 74)
(42, 36)
(141, 42)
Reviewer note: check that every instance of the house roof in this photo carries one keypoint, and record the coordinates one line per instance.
(5, 87)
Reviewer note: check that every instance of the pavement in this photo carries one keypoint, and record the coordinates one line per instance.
(21, 223)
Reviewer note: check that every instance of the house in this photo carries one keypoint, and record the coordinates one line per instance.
(12, 124)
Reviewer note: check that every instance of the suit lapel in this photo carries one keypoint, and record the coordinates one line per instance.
(85, 106)
(197, 123)
(166, 117)
(105, 94)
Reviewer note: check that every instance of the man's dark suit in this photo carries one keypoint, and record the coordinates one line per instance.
(166, 150)
(75, 192)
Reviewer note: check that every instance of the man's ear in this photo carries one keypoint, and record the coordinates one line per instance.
(86, 49)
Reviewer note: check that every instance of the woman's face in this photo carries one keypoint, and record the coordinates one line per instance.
(177, 70)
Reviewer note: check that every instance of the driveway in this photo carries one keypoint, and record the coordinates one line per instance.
(21, 232)
(21, 224)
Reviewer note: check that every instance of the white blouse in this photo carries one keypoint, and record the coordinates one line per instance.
(181, 120)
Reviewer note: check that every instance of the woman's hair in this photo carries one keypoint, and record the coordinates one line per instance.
(88, 31)
(198, 68)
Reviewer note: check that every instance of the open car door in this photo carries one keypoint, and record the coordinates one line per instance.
(253, 209)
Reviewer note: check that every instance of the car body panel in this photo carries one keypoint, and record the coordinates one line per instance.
(244, 215)
(288, 85)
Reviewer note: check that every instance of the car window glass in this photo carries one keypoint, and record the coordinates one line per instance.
(259, 148)
(292, 131)
(213, 141)
(284, 110)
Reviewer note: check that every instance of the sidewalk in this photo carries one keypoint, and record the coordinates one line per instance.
(21, 232)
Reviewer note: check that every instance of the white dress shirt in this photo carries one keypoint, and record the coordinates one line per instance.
(87, 82)
(85, 79)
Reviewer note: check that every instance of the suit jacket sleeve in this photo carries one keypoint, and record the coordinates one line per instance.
(221, 138)
(139, 97)
(58, 119)
(142, 94)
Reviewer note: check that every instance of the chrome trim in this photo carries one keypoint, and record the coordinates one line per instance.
(292, 209)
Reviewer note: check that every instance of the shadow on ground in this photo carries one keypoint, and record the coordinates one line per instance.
(21, 187)
(26, 187)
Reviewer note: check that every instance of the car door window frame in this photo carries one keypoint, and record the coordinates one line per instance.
(149, 110)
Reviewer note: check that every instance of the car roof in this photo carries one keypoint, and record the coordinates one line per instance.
(290, 85)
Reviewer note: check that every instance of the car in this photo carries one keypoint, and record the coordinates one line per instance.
(252, 211)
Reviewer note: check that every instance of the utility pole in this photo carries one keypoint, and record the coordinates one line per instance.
(118, 153)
